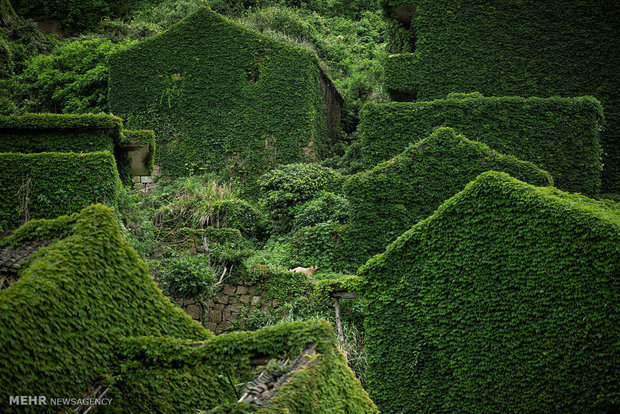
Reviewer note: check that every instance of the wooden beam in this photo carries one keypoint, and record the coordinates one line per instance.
(343, 294)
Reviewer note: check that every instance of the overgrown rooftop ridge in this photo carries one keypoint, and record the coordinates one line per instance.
(504, 300)
(393, 196)
(560, 135)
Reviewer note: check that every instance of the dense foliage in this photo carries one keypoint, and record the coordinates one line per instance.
(20, 39)
(75, 16)
(537, 49)
(73, 78)
(561, 135)
(187, 277)
(501, 301)
(323, 208)
(288, 186)
(504, 300)
(393, 196)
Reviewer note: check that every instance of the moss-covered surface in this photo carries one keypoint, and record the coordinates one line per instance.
(221, 98)
(75, 299)
(504, 300)
(536, 48)
(85, 133)
(561, 135)
(32, 133)
(50, 184)
(93, 315)
(390, 198)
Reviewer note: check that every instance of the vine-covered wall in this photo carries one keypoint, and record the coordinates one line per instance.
(84, 133)
(499, 48)
(49, 184)
(504, 300)
(390, 198)
(222, 98)
(560, 135)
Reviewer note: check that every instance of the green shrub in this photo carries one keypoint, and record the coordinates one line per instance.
(287, 186)
(19, 40)
(325, 207)
(73, 78)
(349, 163)
(396, 194)
(240, 214)
(499, 49)
(561, 135)
(504, 300)
(50, 184)
(220, 249)
(217, 111)
(187, 277)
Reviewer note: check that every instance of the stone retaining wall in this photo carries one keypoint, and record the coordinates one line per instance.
(231, 304)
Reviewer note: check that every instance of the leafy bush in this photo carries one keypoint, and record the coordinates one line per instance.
(350, 162)
(187, 277)
(239, 214)
(290, 185)
(73, 78)
(325, 207)
(19, 40)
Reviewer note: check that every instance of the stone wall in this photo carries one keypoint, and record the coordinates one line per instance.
(232, 303)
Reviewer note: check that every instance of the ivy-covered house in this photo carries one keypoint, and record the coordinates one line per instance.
(503, 300)
(225, 98)
(508, 48)
(54, 164)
